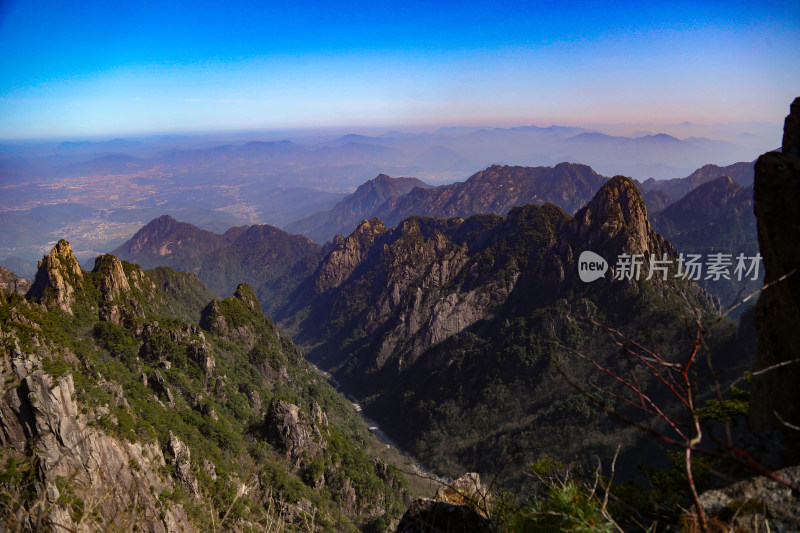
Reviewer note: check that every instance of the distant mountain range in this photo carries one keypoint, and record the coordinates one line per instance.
(274, 261)
(346, 214)
(261, 255)
(494, 190)
(95, 192)
(715, 217)
(676, 188)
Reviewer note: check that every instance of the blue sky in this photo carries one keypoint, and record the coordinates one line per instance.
(116, 68)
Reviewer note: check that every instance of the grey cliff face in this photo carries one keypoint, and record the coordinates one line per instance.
(294, 432)
(44, 409)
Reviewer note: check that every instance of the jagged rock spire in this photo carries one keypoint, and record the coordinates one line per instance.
(59, 271)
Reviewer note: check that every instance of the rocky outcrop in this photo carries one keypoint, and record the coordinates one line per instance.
(58, 278)
(463, 505)
(757, 504)
(11, 283)
(467, 490)
(112, 279)
(346, 255)
(183, 464)
(236, 318)
(293, 432)
(617, 215)
(78, 463)
(776, 397)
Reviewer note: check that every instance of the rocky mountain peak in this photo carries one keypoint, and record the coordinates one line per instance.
(371, 227)
(245, 294)
(791, 130)
(347, 255)
(60, 272)
(617, 210)
(164, 240)
(112, 279)
(163, 221)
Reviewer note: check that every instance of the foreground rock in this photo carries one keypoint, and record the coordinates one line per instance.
(758, 504)
(776, 397)
(462, 506)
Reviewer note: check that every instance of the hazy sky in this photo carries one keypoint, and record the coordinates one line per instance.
(105, 68)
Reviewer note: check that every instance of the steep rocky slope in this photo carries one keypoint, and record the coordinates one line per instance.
(123, 406)
(448, 328)
(345, 215)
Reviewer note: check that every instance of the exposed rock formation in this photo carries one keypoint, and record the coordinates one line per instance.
(392, 295)
(9, 282)
(467, 490)
(89, 465)
(618, 214)
(293, 431)
(462, 505)
(775, 395)
(112, 282)
(757, 504)
(347, 254)
(58, 278)
(183, 464)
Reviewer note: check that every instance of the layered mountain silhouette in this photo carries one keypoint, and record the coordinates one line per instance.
(494, 190)
(346, 214)
(715, 217)
(711, 218)
(741, 173)
(261, 255)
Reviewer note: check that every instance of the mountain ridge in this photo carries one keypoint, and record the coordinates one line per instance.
(347, 213)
